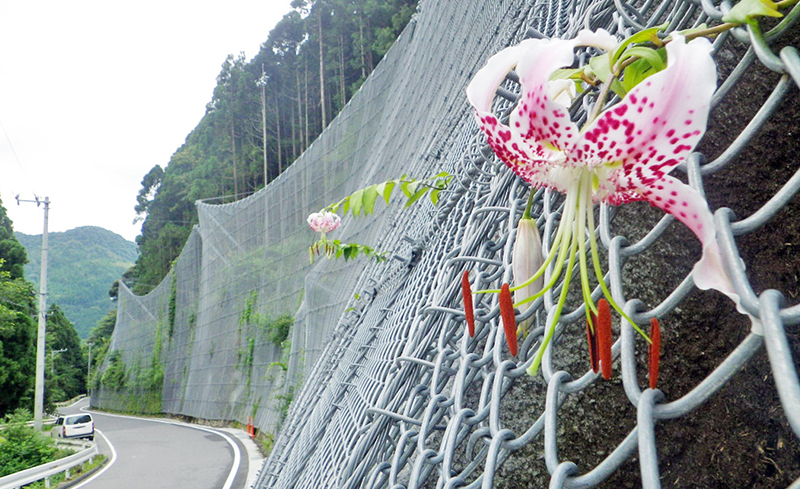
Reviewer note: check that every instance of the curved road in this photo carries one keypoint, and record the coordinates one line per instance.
(147, 453)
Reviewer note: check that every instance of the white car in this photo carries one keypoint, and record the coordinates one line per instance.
(74, 426)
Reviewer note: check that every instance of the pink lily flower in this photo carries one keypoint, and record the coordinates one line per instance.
(323, 222)
(624, 155)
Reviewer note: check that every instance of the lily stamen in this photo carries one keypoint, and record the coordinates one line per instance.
(508, 317)
(469, 309)
(655, 351)
(604, 340)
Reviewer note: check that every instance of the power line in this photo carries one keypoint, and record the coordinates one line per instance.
(10, 145)
(14, 152)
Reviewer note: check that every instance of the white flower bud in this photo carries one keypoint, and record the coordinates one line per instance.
(527, 258)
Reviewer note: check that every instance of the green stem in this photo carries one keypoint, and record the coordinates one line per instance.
(601, 280)
(711, 31)
(601, 100)
(563, 236)
(527, 213)
(534, 368)
(554, 249)
(585, 194)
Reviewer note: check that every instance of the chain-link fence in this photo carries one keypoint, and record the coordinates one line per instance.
(403, 397)
(394, 392)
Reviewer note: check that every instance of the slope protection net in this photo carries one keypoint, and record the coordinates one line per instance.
(402, 397)
(394, 393)
(207, 329)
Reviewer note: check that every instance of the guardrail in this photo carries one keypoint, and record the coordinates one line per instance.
(45, 471)
(70, 402)
(45, 422)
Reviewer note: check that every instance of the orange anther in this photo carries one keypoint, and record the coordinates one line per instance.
(655, 351)
(604, 336)
(509, 321)
(469, 311)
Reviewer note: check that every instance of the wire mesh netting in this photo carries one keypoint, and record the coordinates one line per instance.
(389, 391)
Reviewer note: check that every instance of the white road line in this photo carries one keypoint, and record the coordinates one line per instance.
(107, 466)
(237, 456)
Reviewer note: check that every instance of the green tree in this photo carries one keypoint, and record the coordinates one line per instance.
(150, 184)
(98, 342)
(12, 252)
(17, 328)
(390, 18)
(17, 342)
(65, 373)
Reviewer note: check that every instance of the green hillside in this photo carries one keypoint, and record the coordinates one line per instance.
(82, 265)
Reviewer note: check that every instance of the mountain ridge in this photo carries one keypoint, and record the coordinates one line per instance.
(82, 265)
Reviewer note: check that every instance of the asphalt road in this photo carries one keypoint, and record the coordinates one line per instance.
(152, 453)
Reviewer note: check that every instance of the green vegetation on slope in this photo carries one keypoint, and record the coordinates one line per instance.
(21, 447)
(82, 265)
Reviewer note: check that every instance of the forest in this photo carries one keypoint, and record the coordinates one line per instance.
(263, 114)
(65, 361)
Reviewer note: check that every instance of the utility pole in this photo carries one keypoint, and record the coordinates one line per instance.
(53, 361)
(38, 402)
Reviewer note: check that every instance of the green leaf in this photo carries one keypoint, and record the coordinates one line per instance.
(409, 188)
(744, 11)
(645, 66)
(651, 55)
(348, 252)
(601, 67)
(370, 196)
(635, 73)
(417, 195)
(385, 189)
(356, 201)
(435, 196)
(647, 35)
(567, 74)
(443, 181)
(616, 87)
(345, 205)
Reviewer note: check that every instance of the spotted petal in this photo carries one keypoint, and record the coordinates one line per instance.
(509, 145)
(689, 207)
(537, 117)
(540, 116)
(656, 125)
(540, 128)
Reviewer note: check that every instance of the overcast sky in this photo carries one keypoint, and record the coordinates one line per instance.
(94, 93)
